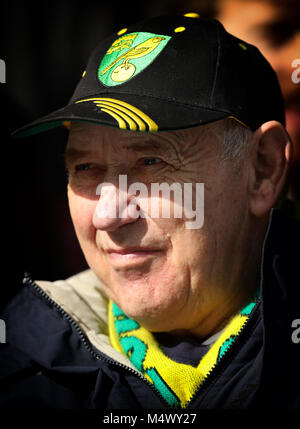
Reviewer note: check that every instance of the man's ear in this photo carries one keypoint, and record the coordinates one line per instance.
(270, 158)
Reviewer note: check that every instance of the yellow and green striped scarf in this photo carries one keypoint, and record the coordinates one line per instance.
(176, 382)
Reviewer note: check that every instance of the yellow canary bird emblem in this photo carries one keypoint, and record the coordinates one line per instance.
(126, 69)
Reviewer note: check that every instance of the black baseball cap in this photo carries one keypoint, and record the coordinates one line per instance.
(167, 73)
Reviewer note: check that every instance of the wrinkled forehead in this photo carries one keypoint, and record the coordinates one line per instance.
(85, 136)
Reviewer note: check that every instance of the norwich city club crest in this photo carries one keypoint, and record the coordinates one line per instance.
(129, 55)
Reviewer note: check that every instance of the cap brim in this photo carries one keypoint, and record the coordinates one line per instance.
(136, 113)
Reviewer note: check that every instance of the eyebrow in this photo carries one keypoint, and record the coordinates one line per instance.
(72, 155)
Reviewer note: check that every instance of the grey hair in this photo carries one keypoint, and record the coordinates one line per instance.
(235, 138)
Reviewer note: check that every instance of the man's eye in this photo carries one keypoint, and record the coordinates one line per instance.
(83, 167)
(151, 161)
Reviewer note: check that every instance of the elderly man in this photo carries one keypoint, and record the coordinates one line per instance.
(193, 307)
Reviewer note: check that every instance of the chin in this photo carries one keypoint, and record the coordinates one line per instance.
(155, 313)
(154, 299)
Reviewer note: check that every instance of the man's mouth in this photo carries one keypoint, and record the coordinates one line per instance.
(132, 255)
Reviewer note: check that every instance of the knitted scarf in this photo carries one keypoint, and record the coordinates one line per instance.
(176, 382)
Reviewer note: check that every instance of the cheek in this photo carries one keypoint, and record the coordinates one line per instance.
(81, 210)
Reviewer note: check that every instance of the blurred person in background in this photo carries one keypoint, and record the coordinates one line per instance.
(274, 27)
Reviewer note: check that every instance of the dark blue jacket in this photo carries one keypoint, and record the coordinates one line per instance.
(57, 353)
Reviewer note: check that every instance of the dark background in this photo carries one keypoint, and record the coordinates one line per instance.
(45, 46)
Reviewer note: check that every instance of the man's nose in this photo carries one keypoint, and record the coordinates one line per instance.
(113, 208)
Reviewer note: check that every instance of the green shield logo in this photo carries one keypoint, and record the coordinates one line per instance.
(129, 55)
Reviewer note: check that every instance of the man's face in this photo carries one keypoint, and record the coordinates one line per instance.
(166, 276)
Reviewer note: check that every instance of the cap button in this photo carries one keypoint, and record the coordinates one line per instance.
(192, 15)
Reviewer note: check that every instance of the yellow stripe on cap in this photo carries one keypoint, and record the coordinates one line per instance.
(133, 120)
(151, 124)
(121, 122)
(129, 114)
(108, 108)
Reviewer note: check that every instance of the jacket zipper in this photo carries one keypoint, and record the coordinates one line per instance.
(215, 371)
(28, 281)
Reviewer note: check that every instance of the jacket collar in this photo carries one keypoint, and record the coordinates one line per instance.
(83, 298)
